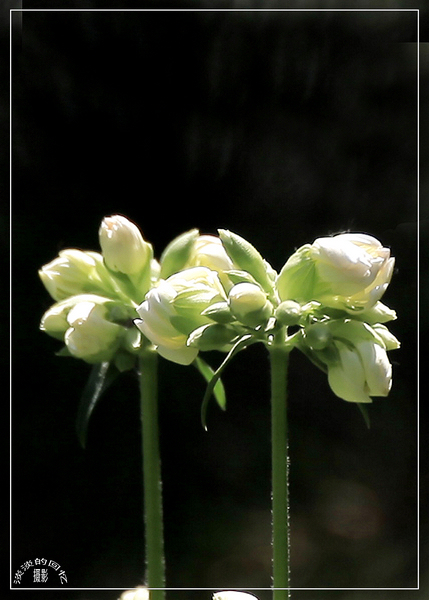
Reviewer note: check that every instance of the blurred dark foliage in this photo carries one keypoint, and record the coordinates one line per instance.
(281, 126)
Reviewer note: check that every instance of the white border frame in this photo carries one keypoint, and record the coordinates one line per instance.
(415, 10)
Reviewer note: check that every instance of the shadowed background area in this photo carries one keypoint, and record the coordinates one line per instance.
(282, 127)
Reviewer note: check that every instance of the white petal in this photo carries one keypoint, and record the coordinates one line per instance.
(347, 377)
(182, 356)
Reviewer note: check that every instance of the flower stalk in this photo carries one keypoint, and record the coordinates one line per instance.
(155, 564)
(279, 358)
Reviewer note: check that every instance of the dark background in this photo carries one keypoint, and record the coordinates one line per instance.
(281, 126)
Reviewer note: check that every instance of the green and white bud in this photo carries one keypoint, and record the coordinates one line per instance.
(190, 249)
(249, 304)
(355, 357)
(347, 271)
(208, 251)
(91, 336)
(177, 254)
(288, 313)
(74, 272)
(123, 247)
(55, 320)
(389, 340)
(318, 335)
(173, 309)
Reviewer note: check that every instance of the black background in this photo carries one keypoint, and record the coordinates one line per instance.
(281, 126)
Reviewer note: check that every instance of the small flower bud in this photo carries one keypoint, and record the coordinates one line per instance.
(288, 313)
(249, 304)
(124, 249)
(318, 336)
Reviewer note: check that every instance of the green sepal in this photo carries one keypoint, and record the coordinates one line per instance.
(219, 312)
(101, 377)
(246, 257)
(242, 343)
(207, 372)
(364, 411)
(177, 253)
(237, 276)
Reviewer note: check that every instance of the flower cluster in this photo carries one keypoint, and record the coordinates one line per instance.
(218, 293)
(96, 295)
(325, 301)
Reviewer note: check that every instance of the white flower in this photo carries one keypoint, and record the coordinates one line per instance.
(124, 249)
(172, 310)
(355, 356)
(349, 271)
(90, 336)
(361, 372)
(354, 265)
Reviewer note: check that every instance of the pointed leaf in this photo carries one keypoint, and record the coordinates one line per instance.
(207, 372)
(102, 375)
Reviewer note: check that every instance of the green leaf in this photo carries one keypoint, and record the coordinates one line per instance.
(246, 258)
(207, 372)
(101, 377)
(242, 343)
(364, 411)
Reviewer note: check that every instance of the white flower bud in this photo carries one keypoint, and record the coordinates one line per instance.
(349, 271)
(72, 272)
(90, 336)
(249, 304)
(318, 335)
(288, 312)
(208, 251)
(356, 358)
(173, 309)
(124, 249)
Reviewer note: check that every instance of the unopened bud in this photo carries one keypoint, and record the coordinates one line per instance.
(124, 249)
(288, 313)
(249, 304)
(318, 336)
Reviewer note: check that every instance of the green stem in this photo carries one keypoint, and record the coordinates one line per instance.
(155, 565)
(279, 358)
